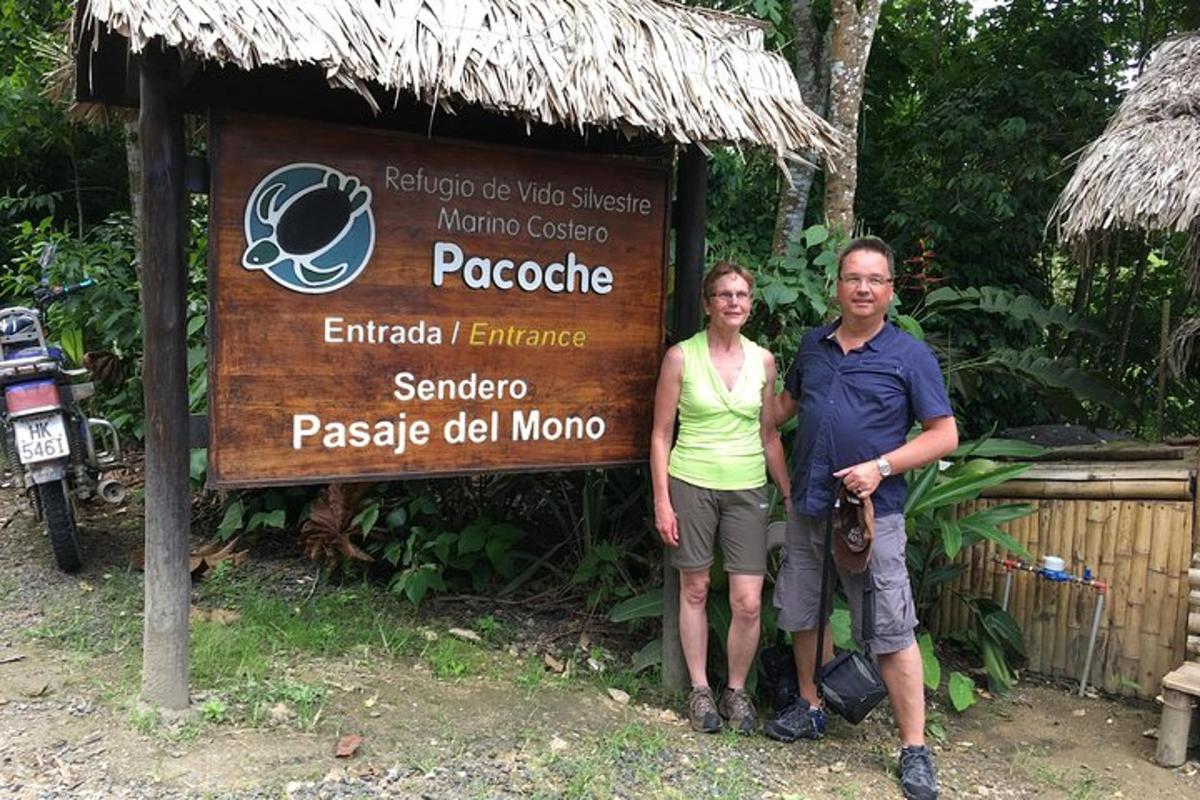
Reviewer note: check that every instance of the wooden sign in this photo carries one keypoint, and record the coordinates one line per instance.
(387, 306)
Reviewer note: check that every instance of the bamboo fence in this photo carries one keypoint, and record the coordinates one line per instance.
(1133, 525)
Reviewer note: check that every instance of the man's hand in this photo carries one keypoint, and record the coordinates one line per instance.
(861, 479)
(667, 524)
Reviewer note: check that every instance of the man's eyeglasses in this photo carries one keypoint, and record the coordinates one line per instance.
(729, 297)
(874, 281)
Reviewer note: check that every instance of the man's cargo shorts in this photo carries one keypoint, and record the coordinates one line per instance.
(798, 586)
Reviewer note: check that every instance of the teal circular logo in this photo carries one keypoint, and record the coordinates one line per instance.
(309, 227)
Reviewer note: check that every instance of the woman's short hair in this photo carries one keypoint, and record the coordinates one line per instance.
(720, 270)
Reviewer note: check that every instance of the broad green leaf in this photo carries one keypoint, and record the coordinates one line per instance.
(815, 235)
(1001, 625)
(474, 536)
(649, 655)
(910, 326)
(966, 487)
(643, 606)
(842, 630)
(922, 481)
(996, 666)
(999, 448)
(951, 537)
(929, 662)
(198, 463)
(992, 533)
(962, 691)
(396, 518)
(232, 521)
(365, 519)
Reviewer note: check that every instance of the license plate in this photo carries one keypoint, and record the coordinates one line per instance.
(40, 438)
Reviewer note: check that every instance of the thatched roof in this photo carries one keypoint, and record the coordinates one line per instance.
(643, 66)
(1144, 170)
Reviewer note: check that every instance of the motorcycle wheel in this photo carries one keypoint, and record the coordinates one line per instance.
(59, 519)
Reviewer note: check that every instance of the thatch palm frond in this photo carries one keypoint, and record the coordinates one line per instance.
(1144, 170)
(642, 66)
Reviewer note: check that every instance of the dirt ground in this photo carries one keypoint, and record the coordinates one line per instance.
(68, 727)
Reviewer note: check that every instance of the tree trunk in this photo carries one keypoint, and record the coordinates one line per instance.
(133, 162)
(164, 378)
(853, 33)
(78, 188)
(692, 193)
(812, 73)
(1131, 308)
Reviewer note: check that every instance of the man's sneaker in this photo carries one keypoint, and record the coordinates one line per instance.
(798, 721)
(916, 774)
(737, 707)
(702, 711)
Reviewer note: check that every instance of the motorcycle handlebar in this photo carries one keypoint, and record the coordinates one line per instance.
(50, 295)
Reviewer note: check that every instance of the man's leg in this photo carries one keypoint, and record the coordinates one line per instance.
(804, 647)
(693, 623)
(904, 676)
(745, 602)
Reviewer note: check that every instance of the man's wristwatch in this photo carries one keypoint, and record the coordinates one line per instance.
(885, 468)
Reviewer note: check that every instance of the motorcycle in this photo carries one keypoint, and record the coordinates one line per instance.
(56, 451)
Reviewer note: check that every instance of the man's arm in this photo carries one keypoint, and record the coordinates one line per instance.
(666, 403)
(938, 437)
(772, 447)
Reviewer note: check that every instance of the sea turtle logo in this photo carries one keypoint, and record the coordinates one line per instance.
(309, 227)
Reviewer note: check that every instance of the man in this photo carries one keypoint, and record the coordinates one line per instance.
(859, 384)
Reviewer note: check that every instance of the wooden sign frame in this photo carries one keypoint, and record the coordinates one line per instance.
(363, 282)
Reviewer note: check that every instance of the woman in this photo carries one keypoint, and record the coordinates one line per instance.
(712, 485)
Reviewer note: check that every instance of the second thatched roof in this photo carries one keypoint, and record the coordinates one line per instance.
(643, 66)
(1144, 170)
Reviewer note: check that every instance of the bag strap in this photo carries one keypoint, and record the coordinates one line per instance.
(826, 563)
(868, 603)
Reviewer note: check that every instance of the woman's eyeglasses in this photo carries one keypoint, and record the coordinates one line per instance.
(729, 297)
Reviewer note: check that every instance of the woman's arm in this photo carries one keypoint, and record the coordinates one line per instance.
(666, 404)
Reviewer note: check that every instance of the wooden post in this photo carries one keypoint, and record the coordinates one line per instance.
(164, 378)
(1164, 343)
(692, 190)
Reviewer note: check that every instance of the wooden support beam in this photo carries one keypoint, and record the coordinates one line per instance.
(692, 205)
(164, 378)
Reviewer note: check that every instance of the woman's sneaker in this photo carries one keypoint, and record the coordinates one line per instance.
(916, 774)
(702, 711)
(798, 720)
(737, 707)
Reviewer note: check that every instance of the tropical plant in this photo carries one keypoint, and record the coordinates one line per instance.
(938, 535)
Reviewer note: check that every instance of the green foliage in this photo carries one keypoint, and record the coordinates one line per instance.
(962, 691)
(106, 319)
(49, 166)
(269, 509)
(795, 291)
(931, 667)
(937, 536)
(429, 557)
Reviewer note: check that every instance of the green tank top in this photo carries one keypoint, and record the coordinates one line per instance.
(720, 441)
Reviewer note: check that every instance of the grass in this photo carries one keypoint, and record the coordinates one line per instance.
(244, 664)
(1077, 783)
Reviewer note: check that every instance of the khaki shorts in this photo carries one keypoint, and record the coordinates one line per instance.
(737, 516)
(798, 586)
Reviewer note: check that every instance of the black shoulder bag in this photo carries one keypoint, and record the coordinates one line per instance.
(850, 684)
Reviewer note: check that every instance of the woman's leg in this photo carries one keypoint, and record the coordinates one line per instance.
(745, 601)
(693, 623)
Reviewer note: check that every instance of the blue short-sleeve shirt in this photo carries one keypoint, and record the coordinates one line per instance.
(857, 406)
